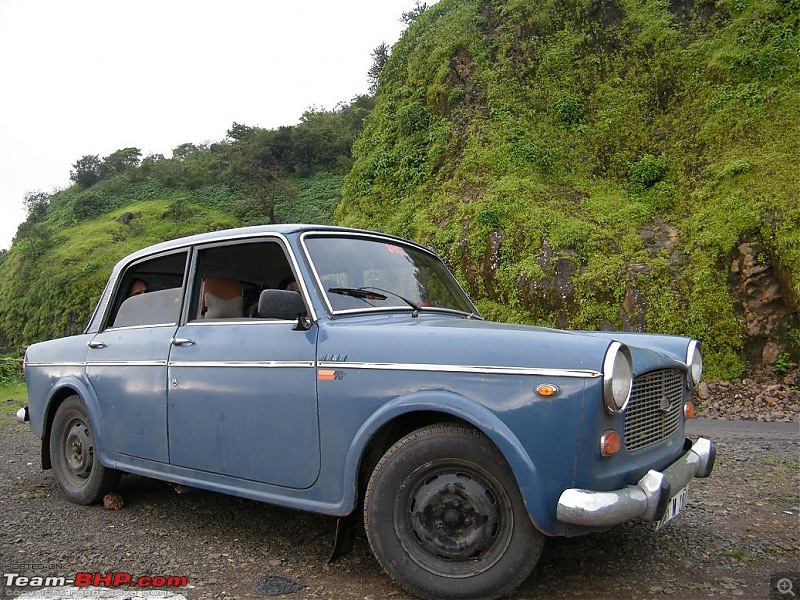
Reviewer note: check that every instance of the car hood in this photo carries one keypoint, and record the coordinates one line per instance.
(447, 340)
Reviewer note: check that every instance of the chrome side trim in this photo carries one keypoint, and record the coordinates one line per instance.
(483, 370)
(126, 363)
(148, 326)
(285, 364)
(247, 321)
(261, 364)
(54, 364)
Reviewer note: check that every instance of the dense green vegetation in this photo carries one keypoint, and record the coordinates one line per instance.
(593, 163)
(578, 163)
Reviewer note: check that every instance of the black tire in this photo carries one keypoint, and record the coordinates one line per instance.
(444, 516)
(79, 474)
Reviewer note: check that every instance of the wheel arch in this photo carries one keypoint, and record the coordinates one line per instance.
(63, 390)
(404, 415)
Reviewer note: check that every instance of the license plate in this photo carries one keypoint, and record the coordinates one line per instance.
(675, 506)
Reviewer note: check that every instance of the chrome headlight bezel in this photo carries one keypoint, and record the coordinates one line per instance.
(694, 364)
(617, 378)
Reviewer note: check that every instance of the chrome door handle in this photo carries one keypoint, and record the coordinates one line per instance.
(96, 344)
(182, 342)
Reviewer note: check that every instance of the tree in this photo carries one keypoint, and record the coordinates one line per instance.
(184, 150)
(414, 14)
(117, 163)
(380, 56)
(86, 170)
(257, 157)
(239, 132)
(36, 204)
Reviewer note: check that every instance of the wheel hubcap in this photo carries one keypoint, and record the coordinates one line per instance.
(78, 450)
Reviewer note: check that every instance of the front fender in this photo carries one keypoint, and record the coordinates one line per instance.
(440, 401)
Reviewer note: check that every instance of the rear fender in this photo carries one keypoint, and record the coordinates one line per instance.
(65, 388)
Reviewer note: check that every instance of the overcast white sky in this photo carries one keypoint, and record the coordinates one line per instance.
(82, 77)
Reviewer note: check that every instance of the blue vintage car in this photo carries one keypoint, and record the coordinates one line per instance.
(343, 371)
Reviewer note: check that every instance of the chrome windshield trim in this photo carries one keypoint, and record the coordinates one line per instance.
(482, 370)
(260, 364)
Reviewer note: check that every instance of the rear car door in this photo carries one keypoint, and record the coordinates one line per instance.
(126, 364)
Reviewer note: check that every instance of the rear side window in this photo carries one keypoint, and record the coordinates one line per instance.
(150, 292)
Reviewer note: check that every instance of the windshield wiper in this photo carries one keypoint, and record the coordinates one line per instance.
(373, 293)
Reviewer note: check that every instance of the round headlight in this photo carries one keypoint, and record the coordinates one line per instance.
(617, 378)
(694, 360)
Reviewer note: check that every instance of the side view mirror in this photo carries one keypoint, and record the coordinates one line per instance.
(281, 304)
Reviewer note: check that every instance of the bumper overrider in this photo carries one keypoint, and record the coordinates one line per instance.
(648, 499)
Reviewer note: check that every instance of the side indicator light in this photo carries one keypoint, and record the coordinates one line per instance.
(326, 374)
(610, 443)
(689, 410)
(547, 390)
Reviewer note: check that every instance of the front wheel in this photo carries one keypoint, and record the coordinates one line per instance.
(444, 516)
(80, 475)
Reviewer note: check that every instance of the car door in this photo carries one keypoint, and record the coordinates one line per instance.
(242, 389)
(126, 364)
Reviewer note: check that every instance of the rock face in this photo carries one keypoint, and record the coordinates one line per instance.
(767, 396)
(767, 304)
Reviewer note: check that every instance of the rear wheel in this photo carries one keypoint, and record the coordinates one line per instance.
(80, 475)
(445, 518)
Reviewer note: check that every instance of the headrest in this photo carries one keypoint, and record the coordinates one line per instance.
(222, 287)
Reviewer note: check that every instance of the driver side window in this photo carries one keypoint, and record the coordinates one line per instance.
(230, 278)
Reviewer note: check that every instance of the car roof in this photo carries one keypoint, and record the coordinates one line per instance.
(252, 231)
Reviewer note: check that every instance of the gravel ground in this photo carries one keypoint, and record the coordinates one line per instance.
(739, 529)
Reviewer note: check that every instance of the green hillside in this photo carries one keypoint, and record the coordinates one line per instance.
(600, 164)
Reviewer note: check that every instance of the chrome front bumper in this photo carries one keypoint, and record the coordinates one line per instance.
(647, 499)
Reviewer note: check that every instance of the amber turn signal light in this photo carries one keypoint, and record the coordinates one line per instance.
(610, 443)
(689, 410)
(547, 390)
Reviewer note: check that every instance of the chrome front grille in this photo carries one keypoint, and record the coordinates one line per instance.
(655, 408)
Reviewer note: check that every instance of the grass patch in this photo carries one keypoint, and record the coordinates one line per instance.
(13, 396)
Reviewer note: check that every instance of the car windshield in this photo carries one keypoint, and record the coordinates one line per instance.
(360, 273)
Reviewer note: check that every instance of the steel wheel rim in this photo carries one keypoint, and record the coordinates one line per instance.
(453, 519)
(78, 451)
